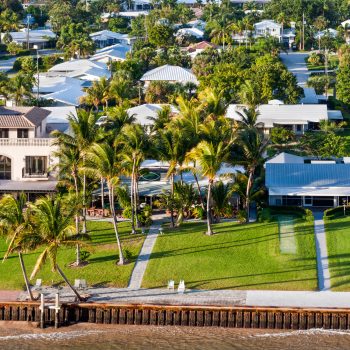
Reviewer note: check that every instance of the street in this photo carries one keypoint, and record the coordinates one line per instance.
(295, 62)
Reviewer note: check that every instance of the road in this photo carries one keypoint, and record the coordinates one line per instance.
(295, 62)
(7, 65)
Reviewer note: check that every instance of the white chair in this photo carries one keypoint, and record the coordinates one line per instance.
(80, 284)
(38, 283)
(171, 285)
(181, 288)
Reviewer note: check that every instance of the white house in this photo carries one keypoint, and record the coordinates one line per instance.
(332, 33)
(298, 118)
(105, 38)
(174, 74)
(144, 114)
(115, 52)
(310, 183)
(268, 28)
(41, 38)
(190, 32)
(82, 69)
(25, 151)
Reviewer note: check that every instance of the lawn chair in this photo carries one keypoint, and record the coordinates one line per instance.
(171, 285)
(80, 284)
(38, 283)
(181, 287)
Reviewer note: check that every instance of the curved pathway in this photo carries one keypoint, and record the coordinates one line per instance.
(295, 62)
(323, 274)
(145, 253)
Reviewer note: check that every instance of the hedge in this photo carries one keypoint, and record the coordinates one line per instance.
(268, 214)
(336, 212)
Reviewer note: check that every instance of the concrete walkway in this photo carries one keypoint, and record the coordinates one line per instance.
(323, 274)
(145, 253)
(254, 298)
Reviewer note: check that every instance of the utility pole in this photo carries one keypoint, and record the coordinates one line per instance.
(326, 70)
(28, 19)
(303, 46)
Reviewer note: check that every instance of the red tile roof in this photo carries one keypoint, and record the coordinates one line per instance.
(22, 117)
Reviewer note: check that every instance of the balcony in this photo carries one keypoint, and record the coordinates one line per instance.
(37, 142)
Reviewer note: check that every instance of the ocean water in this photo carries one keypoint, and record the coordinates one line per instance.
(85, 337)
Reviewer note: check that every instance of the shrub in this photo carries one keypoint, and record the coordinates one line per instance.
(84, 255)
(241, 216)
(337, 212)
(199, 213)
(145, 216)
(127, 213)
(265, 215)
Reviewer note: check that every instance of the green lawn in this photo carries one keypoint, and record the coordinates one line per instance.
(101, 270)
(338, 243)
(236, 257)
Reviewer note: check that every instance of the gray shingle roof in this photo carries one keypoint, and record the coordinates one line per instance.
(307, 175)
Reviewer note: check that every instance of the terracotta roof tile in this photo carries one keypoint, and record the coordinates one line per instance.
(22, 117)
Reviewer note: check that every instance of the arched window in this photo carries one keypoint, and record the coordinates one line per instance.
(5, 168)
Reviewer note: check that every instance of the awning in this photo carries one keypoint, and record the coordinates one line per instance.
(7, 186)
(310, 191)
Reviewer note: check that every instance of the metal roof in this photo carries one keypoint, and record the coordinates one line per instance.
(170, 73)
(7, 186)
(307, 175)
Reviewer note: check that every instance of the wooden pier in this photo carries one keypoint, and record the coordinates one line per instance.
(193, 316)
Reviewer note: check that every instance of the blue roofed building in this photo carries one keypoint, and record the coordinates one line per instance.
(298, 181)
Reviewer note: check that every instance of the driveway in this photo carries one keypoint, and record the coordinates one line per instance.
(295, 62)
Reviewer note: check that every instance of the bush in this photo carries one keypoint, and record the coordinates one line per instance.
(84, 255)
(267, 214)
(337, 212)
(199, 213)
(241, 216)
(145, 217)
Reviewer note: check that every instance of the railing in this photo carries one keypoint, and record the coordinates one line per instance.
(37, 142)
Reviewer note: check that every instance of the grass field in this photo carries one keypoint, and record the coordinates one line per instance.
(236, 257)
(338, 243)
(101, 270)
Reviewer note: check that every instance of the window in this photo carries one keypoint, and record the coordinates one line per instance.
(35, 166)
(4, 133)
(299, 128)
(5, 168)
(22, 133)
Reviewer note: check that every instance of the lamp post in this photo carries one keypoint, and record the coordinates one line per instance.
(36, 47)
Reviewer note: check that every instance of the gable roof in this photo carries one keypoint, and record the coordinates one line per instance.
(170, 73)
(286, 158)
(200, 46)
(22, 117)
(142, 112)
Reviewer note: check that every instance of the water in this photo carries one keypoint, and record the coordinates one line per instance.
(85, 337)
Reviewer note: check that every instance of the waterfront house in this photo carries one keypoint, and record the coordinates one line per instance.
(310, 182)
(298, 118)
(25, 151)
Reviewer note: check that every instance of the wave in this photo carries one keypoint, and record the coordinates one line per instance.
(313, 331)
(50, 336)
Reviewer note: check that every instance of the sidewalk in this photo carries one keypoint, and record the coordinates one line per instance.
(252, 298)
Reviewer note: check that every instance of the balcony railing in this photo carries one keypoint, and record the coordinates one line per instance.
(44, 142)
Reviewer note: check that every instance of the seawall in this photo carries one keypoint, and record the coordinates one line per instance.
(194, 316)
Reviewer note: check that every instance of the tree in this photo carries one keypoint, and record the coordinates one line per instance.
(343, 75)
(253, 145)
(161, 35)
(220, 32)
(52, 229)
(8, 21)
(14, 220)
(98, 93)
(20, 87)
(320, 24)
(281, 136)
(210, 157)
(102, 161)
(135, 146)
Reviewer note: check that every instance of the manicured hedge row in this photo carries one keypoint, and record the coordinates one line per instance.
(268, 214)
(333, 213)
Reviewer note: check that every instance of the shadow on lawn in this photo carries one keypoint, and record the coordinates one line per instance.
(340, 269)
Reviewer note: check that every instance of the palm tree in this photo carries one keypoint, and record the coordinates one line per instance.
(210, 157)
(8, 21)
(85, 132)
(14, 220)
(19, 87)
(69, 163)
(97, 94)
(102, 161)
(253, 145)
(162, 119)
(213, 102)
(52, 229)
(122, 87)
(221, 31)
(250, 95)
(282, 19)
(135, 146)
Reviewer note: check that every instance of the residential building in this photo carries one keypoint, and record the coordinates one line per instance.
(298, 118)
(106, 38)
(26, 151)
(146, 113)
(310, 183)
(174, 74)
(195, 49)
(40, 38)
(190, 32)
(115, 52)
